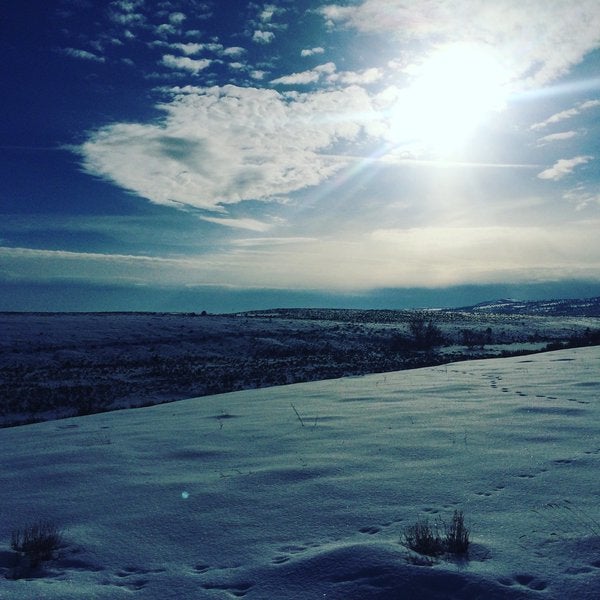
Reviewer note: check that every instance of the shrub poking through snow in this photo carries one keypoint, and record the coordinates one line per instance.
(38, 541)
(424, 538)
(427, 539)
(457, 535)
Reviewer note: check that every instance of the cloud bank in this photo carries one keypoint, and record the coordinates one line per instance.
(382, 258)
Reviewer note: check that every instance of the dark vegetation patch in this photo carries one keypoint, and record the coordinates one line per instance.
(56, 365)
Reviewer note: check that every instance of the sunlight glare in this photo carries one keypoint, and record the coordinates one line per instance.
(453, 91)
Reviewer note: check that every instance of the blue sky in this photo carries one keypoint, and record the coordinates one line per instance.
(189, 155)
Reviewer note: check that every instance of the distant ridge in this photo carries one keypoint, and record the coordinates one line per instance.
(580, 307)
(588, 307)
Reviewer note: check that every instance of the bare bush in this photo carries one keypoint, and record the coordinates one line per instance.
(38, 541)
(424, 538)
(427, 539)
(457, 535)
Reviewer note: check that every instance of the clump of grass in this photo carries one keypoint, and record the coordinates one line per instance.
(37, 542)
(456, 539)
(424, 538)
(438, 538)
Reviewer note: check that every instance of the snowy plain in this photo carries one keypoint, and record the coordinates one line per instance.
(56, 365)
(303, 491)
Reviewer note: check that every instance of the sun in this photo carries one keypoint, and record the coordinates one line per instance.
(451, 92)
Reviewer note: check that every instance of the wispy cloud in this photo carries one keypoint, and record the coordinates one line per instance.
(128, 18)
(312, 51)
(563, 167)
(328, 73)
(563, 115)
(305, 77)
(583, 196)
(83, 54)
(185, 63)
(127, 5)
(557, 137)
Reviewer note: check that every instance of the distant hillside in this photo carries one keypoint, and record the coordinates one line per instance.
(588, 307)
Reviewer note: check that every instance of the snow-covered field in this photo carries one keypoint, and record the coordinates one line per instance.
(70, 364)
(303, 491)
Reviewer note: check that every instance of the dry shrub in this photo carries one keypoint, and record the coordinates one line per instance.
(457, 534)
(38, 541)
(427, 539)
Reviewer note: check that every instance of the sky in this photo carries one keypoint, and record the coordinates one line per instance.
(190, 155)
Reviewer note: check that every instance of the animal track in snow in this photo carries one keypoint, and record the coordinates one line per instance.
(238, 590)
(430, 510)
(132, 578)
(279, 560)
(370, 530)
(524, 580)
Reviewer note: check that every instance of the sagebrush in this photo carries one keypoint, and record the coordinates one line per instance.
(438, 538)
(457, 535)
(38, 541)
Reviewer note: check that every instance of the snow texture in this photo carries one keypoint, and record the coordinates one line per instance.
(304, 491)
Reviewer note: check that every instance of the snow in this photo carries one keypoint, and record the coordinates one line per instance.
(71, 364)
(303, 491)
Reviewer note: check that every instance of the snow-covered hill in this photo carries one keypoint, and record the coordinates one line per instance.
(304, 491)
(588, 307)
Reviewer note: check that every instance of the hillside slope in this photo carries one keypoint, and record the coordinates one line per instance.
(304, 491)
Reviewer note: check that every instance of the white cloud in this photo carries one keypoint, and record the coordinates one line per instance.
(564, 167)
(127, 5)
(306, 77)
(556, 137)
(226, 144)
(128, 18)
(263, 37)
(589, 104)
(192, 48)
(303, 78)
(165, 30)
(83, 54)
(312, 51)
(566, 114)
(267, 13)
(177, 18)
(185, 63)
(189, 49)
(540, 40)
(234, 51)
(364, 77)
